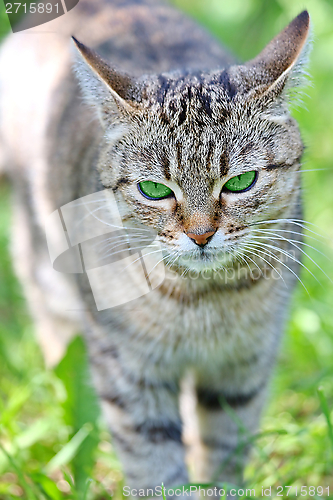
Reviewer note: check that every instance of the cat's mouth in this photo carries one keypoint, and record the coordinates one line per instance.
(203, 259)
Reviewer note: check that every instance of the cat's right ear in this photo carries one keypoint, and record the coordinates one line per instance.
(115, 95)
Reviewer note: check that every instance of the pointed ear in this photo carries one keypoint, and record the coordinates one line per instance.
(115, 95)
(281, 65)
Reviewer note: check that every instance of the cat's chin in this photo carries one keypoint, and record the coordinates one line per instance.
(204, 261)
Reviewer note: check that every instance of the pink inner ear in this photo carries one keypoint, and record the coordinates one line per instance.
(282, 51)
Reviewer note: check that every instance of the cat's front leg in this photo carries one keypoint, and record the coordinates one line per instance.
(226, 423)
(143, 416)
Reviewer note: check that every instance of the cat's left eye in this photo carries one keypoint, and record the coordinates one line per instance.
(154, 190)
(242, 182)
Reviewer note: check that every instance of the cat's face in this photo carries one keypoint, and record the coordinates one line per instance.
(203, 158)
(196, 140)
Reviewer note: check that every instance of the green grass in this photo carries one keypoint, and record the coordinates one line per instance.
(53, 441)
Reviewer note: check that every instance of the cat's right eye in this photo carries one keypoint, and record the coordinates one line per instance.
(154, 190)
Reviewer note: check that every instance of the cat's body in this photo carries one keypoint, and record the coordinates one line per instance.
(188, 129)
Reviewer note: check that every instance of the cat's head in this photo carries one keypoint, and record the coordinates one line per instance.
(203, 157)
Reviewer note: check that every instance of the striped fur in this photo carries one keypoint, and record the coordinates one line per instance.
(165, 103)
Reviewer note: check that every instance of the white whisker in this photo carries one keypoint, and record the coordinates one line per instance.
(132, 249)
(115, 244)
(291, 241)
(297, 222)
(267, 262)
(290, 256)
(291, 232)
(270, 254)
(140, 257)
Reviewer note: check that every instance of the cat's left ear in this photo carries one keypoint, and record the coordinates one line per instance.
(281, 65)
(115, 95)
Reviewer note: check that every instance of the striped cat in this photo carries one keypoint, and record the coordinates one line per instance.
(197, 148)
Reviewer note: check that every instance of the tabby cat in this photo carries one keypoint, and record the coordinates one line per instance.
(203, 152)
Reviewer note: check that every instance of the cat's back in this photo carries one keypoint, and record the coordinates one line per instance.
(146, 36)
(139, 36)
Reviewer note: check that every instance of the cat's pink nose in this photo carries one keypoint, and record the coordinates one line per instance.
(201, 239)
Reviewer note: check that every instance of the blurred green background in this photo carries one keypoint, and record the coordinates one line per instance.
(53, 443)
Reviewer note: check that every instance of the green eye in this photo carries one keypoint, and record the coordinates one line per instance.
(154, 190)
(241, 182)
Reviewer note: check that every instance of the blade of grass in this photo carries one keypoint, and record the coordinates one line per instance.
(70, 449)
(163, 494)
(46, 486)
(80, 408)
(326, 412)
(26, 487)
(86, 491)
